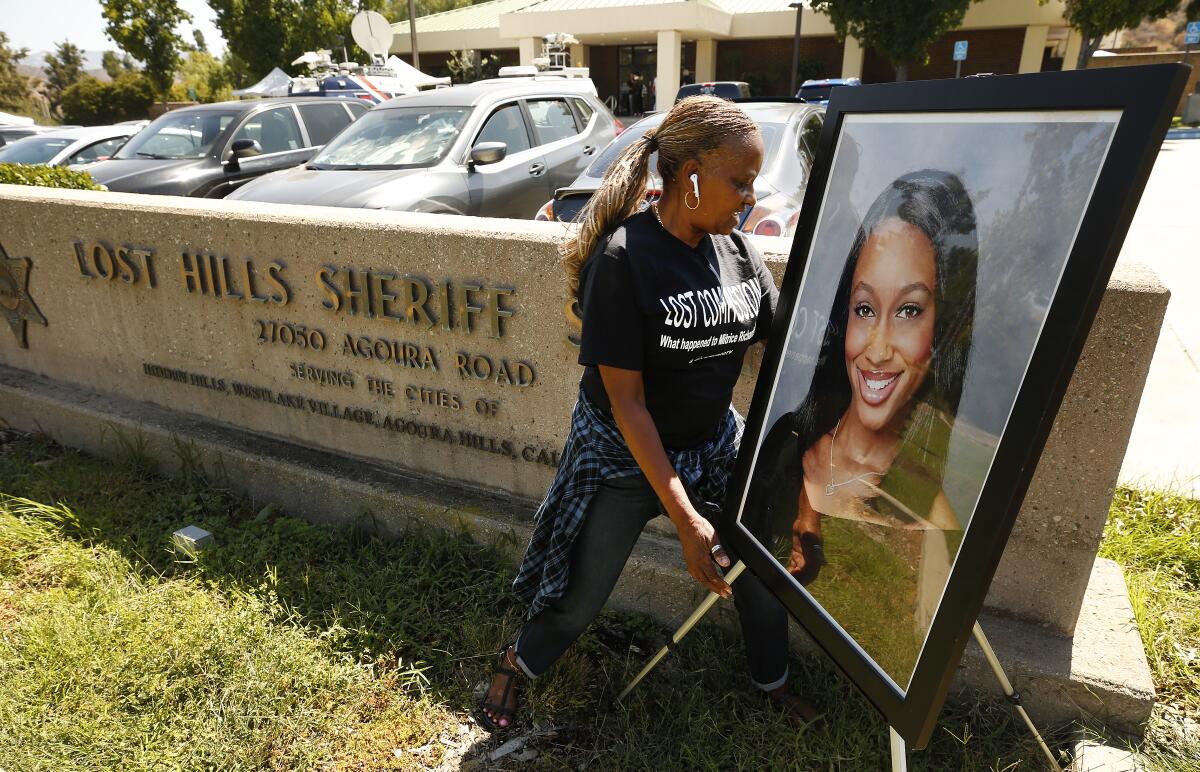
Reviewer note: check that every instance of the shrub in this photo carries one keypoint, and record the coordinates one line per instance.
(92, 102)
(46, 177)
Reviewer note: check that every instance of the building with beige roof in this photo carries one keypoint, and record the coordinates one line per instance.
(668, 42)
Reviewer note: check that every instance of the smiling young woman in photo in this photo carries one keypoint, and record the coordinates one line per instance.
(672, 296)
(872, 435)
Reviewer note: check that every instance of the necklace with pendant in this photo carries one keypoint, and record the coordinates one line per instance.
(832, 487)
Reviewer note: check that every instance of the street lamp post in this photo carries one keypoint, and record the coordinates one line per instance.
(799, 6)
(412, 32)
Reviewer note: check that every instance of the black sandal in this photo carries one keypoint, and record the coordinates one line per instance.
(502, 710)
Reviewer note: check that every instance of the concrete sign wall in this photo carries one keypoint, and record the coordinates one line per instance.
(431, 346)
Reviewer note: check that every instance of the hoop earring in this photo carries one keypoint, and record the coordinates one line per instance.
(685, 200)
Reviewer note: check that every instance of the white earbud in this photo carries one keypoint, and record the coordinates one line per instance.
(695, 186)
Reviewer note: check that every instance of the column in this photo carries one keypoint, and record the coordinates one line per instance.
(528, 48)
(706, 60)
(670, 60)
(1034, 48)
(1074, 43)
(852, 58)
(579, 55)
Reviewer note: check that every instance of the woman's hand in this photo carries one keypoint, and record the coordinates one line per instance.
(701, 548)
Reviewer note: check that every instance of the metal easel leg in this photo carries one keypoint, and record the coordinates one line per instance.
(899, 752)
(683, 630)
(1013, 696)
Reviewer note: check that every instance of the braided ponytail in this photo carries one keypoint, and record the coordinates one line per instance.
(693, 126)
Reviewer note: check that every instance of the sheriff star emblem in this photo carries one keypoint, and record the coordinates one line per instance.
(16, 306)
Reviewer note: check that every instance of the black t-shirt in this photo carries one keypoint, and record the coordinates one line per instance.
(684, 317)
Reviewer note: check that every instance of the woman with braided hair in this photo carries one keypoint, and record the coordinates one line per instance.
(672, 296)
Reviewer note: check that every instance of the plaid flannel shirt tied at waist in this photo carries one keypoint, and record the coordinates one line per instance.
(594, 452)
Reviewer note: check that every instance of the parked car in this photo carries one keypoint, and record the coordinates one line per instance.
(791, 130)
(496, 148)
(67, 146)
(817, 91)
(12, 132)
(209, 150)
(726, 89)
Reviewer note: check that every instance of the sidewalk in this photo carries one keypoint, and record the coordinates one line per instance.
(1164, 449)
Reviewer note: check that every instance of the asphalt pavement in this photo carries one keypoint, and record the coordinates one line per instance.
(1164, 449)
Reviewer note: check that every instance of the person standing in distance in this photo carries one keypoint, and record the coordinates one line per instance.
(672, 296)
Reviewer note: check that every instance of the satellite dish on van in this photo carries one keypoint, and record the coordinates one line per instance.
(372, 32)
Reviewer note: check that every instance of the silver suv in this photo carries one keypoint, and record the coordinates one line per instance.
(497, 148)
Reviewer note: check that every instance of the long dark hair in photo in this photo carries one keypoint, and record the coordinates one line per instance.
(937, 203)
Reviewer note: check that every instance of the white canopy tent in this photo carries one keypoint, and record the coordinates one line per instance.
(276, 83)
(411, 76)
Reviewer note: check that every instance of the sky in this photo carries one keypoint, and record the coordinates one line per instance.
(39, 24)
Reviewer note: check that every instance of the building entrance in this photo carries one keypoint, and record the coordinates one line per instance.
(636, 70)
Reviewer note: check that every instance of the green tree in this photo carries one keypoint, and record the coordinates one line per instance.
(469, 65)
(201, 45)
(263, 34)
(146, 30)
(204, 76)
(92, 102)
(1193, 11)
(1096, 18)
(115, 64)
(901, 30)
(14, 87)
(64, 68)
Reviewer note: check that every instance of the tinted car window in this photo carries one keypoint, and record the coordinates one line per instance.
(585, 110)
(506, 125)
(100, 151)
(180, 134)
(357, 107)
(33, 150)
(552, 119)
(814, 93)
(722, 90)
(398, 136)
(323, 121)
(810, 136)
(275, 130)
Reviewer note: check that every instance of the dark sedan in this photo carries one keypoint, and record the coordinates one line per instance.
(209, 150)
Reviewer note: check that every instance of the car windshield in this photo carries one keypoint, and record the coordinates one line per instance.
(723, 90)
(33, 150)
(181, 134)
(770, 131)
(393, 138)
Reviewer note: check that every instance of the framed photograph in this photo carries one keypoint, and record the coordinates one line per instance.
(955, 242)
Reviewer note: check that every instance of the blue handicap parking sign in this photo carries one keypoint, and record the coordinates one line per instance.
(1193, 33)
(960, 50)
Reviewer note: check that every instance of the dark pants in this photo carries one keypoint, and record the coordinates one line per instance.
(618, 513)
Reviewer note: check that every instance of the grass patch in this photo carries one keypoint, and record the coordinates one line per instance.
(295, 646)
(1156, 537)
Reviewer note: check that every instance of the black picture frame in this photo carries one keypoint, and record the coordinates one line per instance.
(1146, 97)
